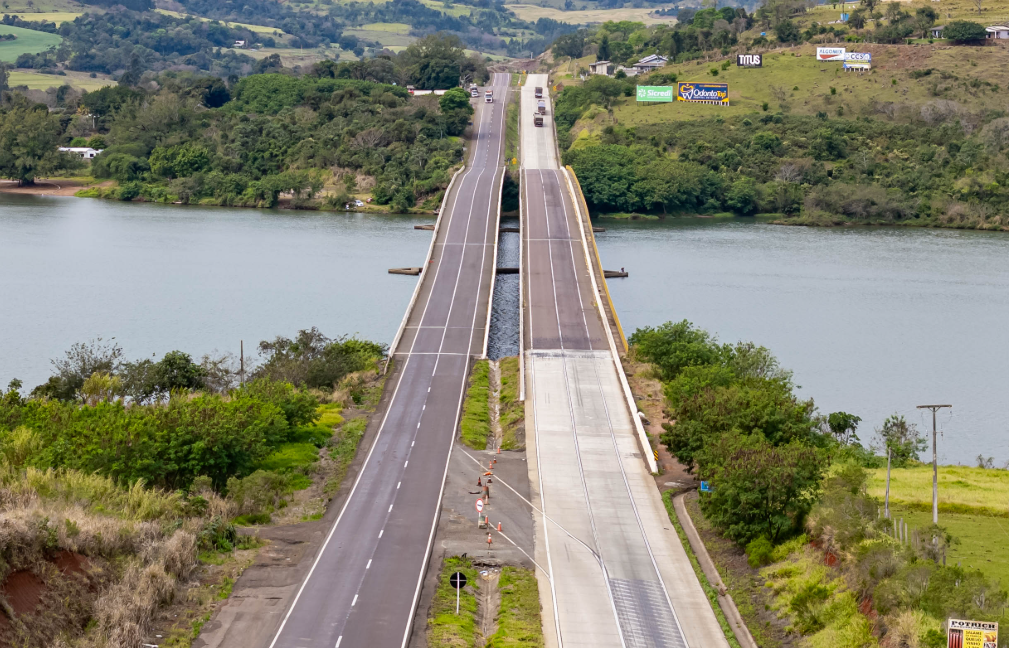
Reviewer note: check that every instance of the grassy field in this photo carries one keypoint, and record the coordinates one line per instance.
(293, 56)
(391, 28)
(793, 81)
(58, 17)
(948, 10)
(962, 489)
(475, 423)
(532, 13)
(28, 41)
(388, 38)
(36, 81)
(259, 29)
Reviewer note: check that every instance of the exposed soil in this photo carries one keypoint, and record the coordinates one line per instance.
(50, 187)
(50, 598)
(23, 591)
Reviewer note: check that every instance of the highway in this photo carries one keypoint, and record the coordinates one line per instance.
(618, 575)
(363, 587)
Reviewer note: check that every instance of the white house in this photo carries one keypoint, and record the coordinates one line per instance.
(601, 67)
(650, 63)
(937, 31)
(240, 43)
(997, 31)
(85, 152)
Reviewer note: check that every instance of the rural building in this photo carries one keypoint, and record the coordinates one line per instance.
(601, 67)
(997, 31)
(650, 63)
(936, 31)
(84, 152)
(628, 71)
(240, 43)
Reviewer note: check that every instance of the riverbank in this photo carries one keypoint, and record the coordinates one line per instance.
(53, 186)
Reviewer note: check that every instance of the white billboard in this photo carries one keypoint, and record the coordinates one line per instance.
(830, 53)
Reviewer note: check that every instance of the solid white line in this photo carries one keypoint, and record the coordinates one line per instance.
(338, 640)
(368, 566)
(398, 484)
(354, 602)
(381, 532)
(390, 509)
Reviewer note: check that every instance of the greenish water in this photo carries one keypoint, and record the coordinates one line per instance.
(871, 321)
(164, 277)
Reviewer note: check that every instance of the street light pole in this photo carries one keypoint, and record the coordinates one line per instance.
(935, 470)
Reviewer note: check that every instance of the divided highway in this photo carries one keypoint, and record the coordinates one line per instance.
(618, 575)
(363, 587)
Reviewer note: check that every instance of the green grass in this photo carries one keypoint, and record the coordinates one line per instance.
(512, 409)
(445, 628)
(58, 17)
(519, 616)
(709, 590)
(36, 81)
(475, 424)
(28, 41)
(392, 28)
(343, 447)
(962, 489)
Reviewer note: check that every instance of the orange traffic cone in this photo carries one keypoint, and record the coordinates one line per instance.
(499, 527)
(499, 449)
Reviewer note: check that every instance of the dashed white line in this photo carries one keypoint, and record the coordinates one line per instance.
(407, 463)
(368, 566)
(381, 532)
(338, 640)
(354, 602)
(398, 484)
(390, 508)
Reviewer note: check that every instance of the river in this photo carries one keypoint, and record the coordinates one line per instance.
(871, 321)
(164, 277)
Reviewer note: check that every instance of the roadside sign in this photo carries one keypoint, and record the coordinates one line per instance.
(479, 506)
(706, 487)
(750, 60)
(457, 580)
(971, 634)
(660, 94)
(830, 53)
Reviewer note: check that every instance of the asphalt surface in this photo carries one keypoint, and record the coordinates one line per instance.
(618, 573)
(363, 588)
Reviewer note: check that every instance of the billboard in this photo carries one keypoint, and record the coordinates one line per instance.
(857, 60)
(713, 93)
(971, 634)
(663, 94)
(750, 60)
(830, 53)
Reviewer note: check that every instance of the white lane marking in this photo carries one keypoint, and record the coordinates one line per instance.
(574, 265)
(338, 640)
(354, 602)
(390, 508)
(398, 484)
(412, 442)
(381, 532)
(553, 278)
(407, 463)
(368, 566)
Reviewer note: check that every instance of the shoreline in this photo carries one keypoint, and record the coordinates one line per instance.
(49, 187)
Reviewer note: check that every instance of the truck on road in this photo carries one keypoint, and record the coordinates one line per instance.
(539, 93)
(489, 96)
(541, 107)
(537, 119)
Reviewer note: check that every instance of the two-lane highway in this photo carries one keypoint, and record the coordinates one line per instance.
(363, 587)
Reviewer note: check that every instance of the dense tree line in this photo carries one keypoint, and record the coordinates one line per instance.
(308, 29)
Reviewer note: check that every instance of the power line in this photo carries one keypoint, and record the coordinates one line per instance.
(935, 469)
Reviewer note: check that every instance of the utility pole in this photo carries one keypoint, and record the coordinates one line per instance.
(886, 501)
(241, 357)
(935, 470)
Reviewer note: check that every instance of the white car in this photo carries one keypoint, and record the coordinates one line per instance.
(359, 203)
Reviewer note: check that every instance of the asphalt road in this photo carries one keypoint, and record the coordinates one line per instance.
(363, 588)
(618, 573)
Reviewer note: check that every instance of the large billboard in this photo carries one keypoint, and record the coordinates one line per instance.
(971, 634)
(830, 53)
(750, 60)
(857, 60)
(713, 93)
(662, 94)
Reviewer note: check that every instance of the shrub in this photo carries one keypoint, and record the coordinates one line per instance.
(759, 552)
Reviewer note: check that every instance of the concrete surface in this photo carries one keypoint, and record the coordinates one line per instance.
(364, 584)
(537, 146)
(618, 573)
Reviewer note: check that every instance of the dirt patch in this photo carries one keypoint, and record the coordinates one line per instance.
(50, 187)
(69, 562)
(23, 591)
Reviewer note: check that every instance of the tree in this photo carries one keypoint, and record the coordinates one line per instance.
(787, 32)
(29, 138)
(963, 31)
(924, 18)
(82, 361)
(742, 196)
(870, 5)
(759, 489)
(672, 347)
(902, 440)
(455, 99)
(894, 13)
(843, 425)
(857, 19)
(4, 79)
(603, 53)
(434, 62)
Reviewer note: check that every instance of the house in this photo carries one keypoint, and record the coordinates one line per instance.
(84, 152)
(650, 63)
(240, 43)
(937, 31)
(997, 31)
(628, 71)
(601, 67)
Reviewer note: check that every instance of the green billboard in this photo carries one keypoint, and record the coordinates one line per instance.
(655, 93)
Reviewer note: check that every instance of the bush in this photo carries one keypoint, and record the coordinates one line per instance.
(260, 493)
(759, 552)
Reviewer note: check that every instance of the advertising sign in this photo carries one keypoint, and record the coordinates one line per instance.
(750, 60)
(857, 60)
(830, 53)
(713, 93)
(662, 94)
(971, 634)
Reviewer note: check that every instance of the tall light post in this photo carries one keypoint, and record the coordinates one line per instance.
(935, 470)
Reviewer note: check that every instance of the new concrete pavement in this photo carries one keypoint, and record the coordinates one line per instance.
(618, 573)
(363, 587)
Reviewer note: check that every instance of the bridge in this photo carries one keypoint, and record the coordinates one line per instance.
(612, 570)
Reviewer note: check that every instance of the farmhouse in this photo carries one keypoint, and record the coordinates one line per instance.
(601, 67)
(650, 63)
(936, 31)
(997, 31)
(84, 152)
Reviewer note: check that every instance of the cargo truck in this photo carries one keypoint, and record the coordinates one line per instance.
(541, 107)
(489, 96)
(539, 93)
(537, 119)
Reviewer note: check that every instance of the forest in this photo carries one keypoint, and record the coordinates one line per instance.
(197, 139)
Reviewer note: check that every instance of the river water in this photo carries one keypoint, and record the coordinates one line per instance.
(164, 277)
(871, 321)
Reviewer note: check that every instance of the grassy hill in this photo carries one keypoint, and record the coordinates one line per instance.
(533, 12)
(28, 42)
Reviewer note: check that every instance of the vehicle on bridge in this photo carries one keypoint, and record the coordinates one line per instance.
(541, 107)
(489, 96)
(539, 93)
(537, 119)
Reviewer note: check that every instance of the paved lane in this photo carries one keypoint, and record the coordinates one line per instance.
(363, 588)
(619, 575)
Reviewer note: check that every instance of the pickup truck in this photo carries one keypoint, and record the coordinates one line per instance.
(539, 93)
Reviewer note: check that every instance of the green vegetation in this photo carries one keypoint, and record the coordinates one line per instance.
(445, 627)
(512, 410)
(763, 451)
(475, 424)
(962, 489)
(519, 615)
(26, 41)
